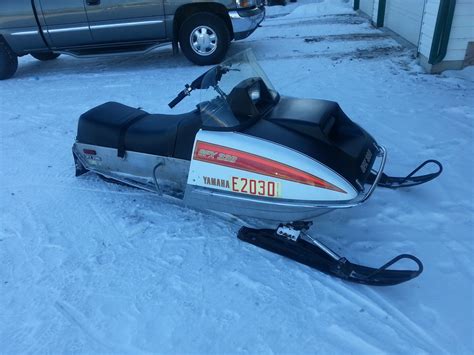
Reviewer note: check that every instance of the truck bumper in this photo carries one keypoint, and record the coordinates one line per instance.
(245, 21)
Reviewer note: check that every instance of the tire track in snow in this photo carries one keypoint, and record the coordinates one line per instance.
(407, 325)
(373, 302)
(354, 37)
(336, 294)
(105, 219)
(352, 342)
(340, 293)
(69, 187)
(78, 319)
(335, 19)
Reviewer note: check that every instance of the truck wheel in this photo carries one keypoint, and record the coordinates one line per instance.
(8, 61)
(45, 56)
(204, 38)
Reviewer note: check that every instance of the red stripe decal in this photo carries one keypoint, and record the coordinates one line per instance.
(237, 159)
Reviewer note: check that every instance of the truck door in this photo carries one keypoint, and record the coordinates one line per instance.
(65, 22)
(125, 20)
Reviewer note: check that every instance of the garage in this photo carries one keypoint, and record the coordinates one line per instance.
(405, 18)
(367, 6)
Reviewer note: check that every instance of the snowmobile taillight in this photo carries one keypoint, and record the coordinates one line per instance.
(89, 152)
(237, 159)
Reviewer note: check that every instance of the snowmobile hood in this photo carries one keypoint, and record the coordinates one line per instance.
(321, 130)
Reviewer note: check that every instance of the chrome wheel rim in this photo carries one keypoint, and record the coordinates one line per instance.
(203, 40)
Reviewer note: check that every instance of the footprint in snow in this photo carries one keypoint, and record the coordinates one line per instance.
(105, 258)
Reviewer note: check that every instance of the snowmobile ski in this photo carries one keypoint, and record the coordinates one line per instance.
(292, 241)
(392, 182)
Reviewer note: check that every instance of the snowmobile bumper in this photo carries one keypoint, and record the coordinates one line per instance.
(78, 165)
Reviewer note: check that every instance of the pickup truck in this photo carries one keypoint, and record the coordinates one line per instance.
(47, 28)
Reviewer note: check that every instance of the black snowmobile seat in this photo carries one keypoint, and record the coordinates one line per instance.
(122, 127)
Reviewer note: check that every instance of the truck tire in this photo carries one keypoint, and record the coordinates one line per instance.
(8, 61)
(45, 56)
(204, 38)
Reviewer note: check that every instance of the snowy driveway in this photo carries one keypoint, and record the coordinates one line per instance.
(87, 266)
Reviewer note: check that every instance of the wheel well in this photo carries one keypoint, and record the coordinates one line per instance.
(4, 41)
(185, 11)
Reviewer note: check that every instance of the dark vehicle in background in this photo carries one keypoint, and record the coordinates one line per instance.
(47, 28)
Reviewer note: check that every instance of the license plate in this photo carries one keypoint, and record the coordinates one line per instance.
(256, 187)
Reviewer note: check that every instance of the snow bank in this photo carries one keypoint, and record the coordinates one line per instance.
(326, 7)
(309, 8)
(467, 73)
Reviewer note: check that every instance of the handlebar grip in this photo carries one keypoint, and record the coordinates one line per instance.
(178, 99)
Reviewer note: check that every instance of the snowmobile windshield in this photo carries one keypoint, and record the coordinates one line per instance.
(235, 93)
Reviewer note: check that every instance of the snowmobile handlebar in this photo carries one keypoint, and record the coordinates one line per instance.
(180, 97)
(213, 76)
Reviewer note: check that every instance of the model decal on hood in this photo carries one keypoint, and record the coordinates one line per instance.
(365, 163)
(237, 159)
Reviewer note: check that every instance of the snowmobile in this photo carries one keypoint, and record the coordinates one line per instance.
(248, 151)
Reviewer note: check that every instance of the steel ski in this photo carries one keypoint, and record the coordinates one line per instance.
(292, 241)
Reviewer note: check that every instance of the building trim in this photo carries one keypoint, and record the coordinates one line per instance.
(441, 66)
(444, 20)
(381, 13)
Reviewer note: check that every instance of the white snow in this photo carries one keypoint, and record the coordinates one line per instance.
(87, 266)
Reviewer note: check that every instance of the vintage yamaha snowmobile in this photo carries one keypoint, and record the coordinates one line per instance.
(248, 151)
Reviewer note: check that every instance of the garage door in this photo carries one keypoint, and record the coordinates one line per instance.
(366, 6)
(404, 17)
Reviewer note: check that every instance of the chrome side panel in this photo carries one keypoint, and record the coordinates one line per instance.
(177, 177)
(290, 190)
(136, 169)
(281, 210)
(297, 201)
(259, 208)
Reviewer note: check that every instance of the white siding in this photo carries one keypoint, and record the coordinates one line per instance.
(375, 12)
(405, 17)
(462, 29)
(366, 6)
(427, 30)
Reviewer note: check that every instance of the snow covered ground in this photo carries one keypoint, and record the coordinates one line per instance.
(87, 266)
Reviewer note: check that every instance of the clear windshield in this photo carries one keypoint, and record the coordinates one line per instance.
(235, 91)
